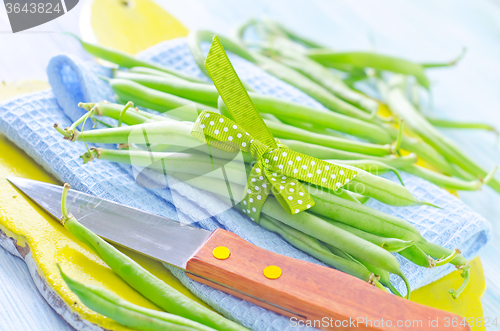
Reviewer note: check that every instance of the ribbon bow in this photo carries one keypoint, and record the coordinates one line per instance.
(277, 168)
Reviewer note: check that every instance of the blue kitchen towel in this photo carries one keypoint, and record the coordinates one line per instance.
(28, 120)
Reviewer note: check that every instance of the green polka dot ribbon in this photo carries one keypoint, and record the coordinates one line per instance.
(277, 169)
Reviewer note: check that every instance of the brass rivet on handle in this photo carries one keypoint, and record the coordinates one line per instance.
(221, 252)
(272, 272)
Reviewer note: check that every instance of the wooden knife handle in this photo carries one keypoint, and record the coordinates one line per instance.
(308, 292)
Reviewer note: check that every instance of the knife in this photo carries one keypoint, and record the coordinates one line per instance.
(307, 293)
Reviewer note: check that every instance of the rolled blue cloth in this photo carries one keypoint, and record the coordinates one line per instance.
(28, 120)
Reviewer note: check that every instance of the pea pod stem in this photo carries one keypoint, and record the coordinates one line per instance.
(381, 189)
(466, 276)
(448, 259)
(110, 305)
(122, 113)
(458, 261)
(446, 64)
(63, 132)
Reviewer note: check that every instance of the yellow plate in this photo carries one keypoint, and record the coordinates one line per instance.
(128, 25)
(468, 305)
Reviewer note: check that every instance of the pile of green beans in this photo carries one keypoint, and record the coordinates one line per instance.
(147, 87)
(142, 280)
(297, 54)
(360, 241)
(323, 134)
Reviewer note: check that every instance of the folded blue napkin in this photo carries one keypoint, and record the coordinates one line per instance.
(28, 120)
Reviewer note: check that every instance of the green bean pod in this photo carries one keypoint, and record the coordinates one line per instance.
(373, 167)
(382, 274)
(384, 277)
(326, 153)
(209, 96)
(418, 256)
(128, 61)
(328, 233)
(382, 189)
(392, 245)
(205, 93)
(142, 280)
(376, 61)
(285, 131)
(404, 109)
(460, 125)
(313, 247)
(152, 99)
(135, 317)
(446, 181)
(157, 132)
(439, 252)
(363, 217)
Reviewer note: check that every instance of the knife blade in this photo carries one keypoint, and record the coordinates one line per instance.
(302, 290)
(158, 237)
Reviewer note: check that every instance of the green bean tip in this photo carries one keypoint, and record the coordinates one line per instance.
(489, 176)
(107, 79)
(425, 203)
(87, 105)
(90, 155)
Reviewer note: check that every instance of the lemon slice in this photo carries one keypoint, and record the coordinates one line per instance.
(128, 25)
